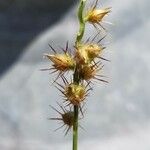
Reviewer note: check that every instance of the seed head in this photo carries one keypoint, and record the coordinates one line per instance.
(93, 50)
(97, 15)
(75, 94)
(88, 72)
(88, 52)
(66, 117)
(81, 55)
(61, 62)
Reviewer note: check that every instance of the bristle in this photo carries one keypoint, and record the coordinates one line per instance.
(94, 5)
(52, 48)
(64, 80)
(101, 39)
(95, 36)
(90, 89)
(60, 85)
(45, 69)
(101, 26)
(55, 109)
(60, 90)
(81, 110)
(101, 80)
(67, 45)
(63, 109)
(88, 39)
(88, 84)
(57, 77)
(104, 58)
(67, 131)
(55, 119)
(81, 127)
(59, 127)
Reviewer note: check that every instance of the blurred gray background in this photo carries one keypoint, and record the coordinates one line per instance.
(117, 115)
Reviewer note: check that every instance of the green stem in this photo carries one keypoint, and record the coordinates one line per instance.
(75, 128)
(81, 22)
(76, 113)
(76, 77)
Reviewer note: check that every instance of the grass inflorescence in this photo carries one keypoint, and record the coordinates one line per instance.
(85, 63)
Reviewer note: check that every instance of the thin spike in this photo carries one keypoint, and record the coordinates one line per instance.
(103, 48)
(90, 89)
(67, 131)
(55, 109)
(104, 58)
(59, 128)
(70, 107)
(101, 80)
(65, 101)
(52, 48)
(67, 45)
(47, 69)
(84, 98)
(94, 65)
(59, 74)
(55, 119)
(68, 104)
(101, 75)
(52, 68)
(61, 108)
(62, 49)
(83, 104)
(60, 85)
(44, 69)
(88, 84)
(60, 90)
(84, 110)
(81, 127)
(97, 64)
(107, 22)
(63, 79)
(81, 110)
(70, 51)
(54, 71)
(96, 27)
(101, 67)
(95, 36)
(88, 39)
(101, 26)
(94, 6)
(102, 38)
(87, 94)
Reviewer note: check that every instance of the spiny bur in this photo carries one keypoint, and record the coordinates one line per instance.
(61, 62)
(75, 93)
(66, 117)
(86, 53)
(95, 15)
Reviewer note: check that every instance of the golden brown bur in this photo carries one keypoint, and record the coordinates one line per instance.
(96, 16)
(61, 62)
(86, 53)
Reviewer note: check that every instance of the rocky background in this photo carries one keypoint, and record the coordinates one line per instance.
(117, 115)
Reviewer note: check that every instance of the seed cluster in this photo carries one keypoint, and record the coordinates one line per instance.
(85, 63)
